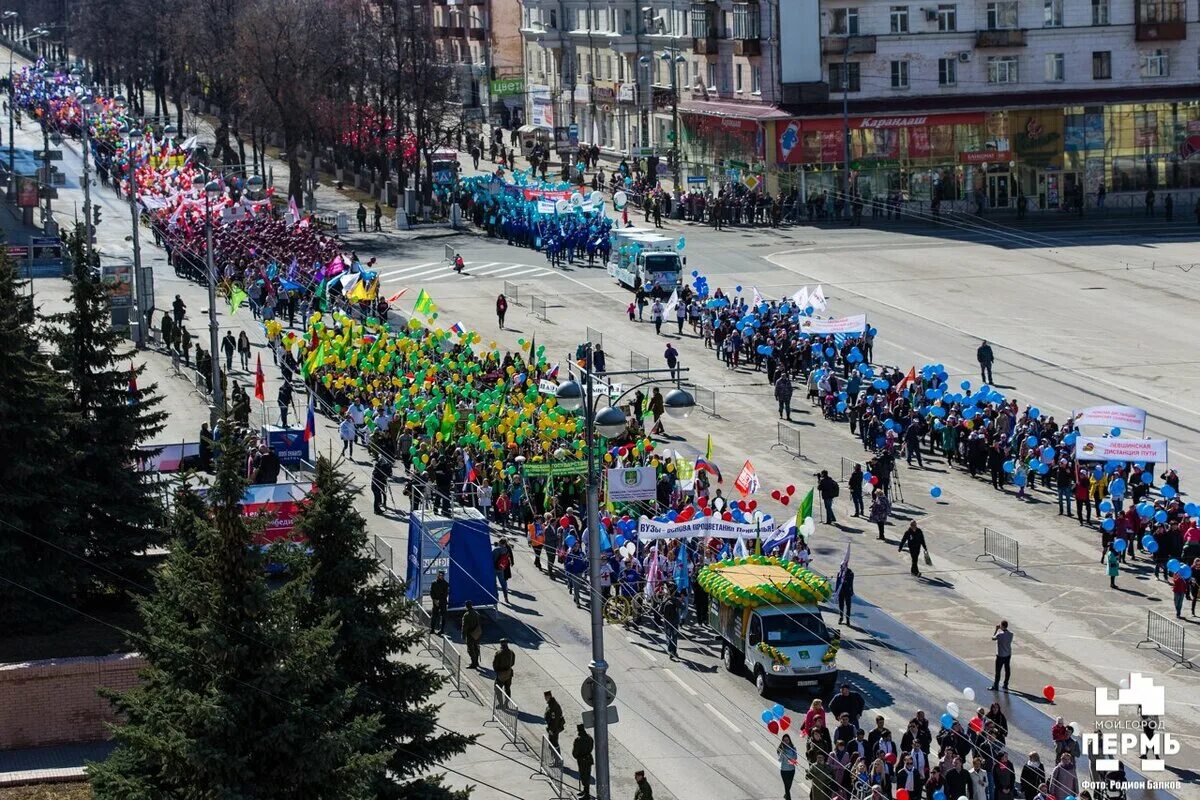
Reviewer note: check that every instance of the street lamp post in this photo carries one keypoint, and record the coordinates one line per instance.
(85, 106)
(608, 422)
(133, 135)
(673, 59)
(212, 190)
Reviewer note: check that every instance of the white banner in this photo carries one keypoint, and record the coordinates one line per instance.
(1087, 449)
(1125, 417)
(635, 483)
(701, 528)
(855, 324)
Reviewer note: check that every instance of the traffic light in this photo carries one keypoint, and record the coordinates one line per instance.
(95, 215)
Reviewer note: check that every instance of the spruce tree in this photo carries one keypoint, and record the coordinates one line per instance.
(241, 697)
(371, 632)
(114, 510)
(34, 468)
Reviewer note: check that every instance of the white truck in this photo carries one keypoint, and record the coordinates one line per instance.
(642, 257)
(780, 647)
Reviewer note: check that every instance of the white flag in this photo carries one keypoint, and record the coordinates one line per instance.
(817, 301)
(758, 298)
(669, 308)
(800, 298)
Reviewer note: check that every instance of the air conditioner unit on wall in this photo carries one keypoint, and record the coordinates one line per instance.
(964, 56)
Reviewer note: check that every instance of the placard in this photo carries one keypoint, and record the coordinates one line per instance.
(633, 483)
(1136, 450)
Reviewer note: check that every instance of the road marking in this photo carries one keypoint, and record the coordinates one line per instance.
(407, 269)
(723, 718)
(641, 649)
(485, 266)
(443, 275)
(681, 682)
(510, 269)
(528, 270)
(763, 750)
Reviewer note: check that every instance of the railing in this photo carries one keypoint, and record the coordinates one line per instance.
(537, 307)
(706, 399)
(452, 661)
(595, 337)
(1167, 635)
(1003, 550)
(789, 439)
(550, 764)
(513, 292)
(383, 552)
(639, 364)
(506, 714)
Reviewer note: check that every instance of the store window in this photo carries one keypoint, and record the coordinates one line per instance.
(947, 17)
(947, 71)
(1002, 15)
(849, 80)
(1156, 64)
(1052, 16)
(1101, 65)
(627, 21)
(845, 22)
(899, 74)
(1099, 12)
(1055, 67)
(1002, 69)
(899, 19)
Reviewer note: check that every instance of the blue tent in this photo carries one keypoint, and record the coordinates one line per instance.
(461, 547)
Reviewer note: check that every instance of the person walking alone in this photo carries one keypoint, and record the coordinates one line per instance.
(986, 358)
(783, 395)
(829, 490)
(472, 630)
(501, 309)
(1003, 638)
(855, 485)
(787, 764)
(845, 593)
(914, 541)
(881, 507)
(502, 666)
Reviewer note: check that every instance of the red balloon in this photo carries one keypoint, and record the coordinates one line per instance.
(976, 724)
(791, 489)
(1048, 692)
(702, 501)
(785, 499)
(902, 794)
(727, 516)
(649, 448)
(890, 758)
(785, 723)
(773, 726)
(775, 494)
(874, 480)
(753, 504)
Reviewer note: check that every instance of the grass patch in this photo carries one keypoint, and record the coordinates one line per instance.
(48, 791)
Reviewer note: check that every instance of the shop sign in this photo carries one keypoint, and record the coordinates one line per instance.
(604, 94)
(826, 135)
(627, 92)
(27, 192)
(504, 87)
(985, 156)
(1038, 138)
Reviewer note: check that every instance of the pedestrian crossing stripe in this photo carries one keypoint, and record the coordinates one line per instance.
(441, 270)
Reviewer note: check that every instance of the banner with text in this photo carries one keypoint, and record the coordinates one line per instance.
(1150, 450)
(635, 483)
(702, 528)
(855, 324)
(1126, 417)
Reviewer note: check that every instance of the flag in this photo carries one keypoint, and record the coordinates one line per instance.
(705, 465)
(800, 298)
(397, 296)
(468, 471)
(805, 509)
(553, 373)
(424, 304)
(237, 295)
(260, 381)
(758, 298)
(739, 548)
(532, 360)
(910, 378)
(294, 210)
(817, 301)
(747, 479)
(310, 423)
(457, 329)
(682, 579)
(783, 536)
(669, 308)
(293, 269)
(133, 390)
(708, 448)
(685, 473)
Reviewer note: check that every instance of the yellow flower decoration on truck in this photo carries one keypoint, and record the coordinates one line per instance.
(773, 653)
(756, 581)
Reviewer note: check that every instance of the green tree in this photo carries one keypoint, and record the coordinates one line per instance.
(114, 510)
(372, 630)
(241, 697)
(34, 479)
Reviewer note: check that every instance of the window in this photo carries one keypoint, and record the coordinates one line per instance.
(1002, 69)
(899, 19)
(947, 71)
(1055, 63)
(1052, 16)
(1101, 65)
(746, 21)
(899, 74)
(756, 79)
(845, 22)
(553, 20)
(711, 76)
(947, 17)
(1161, 11)
(1156, 64)
(627, 21)
(848, 80)
(1002, 15)
(737, 78)
(1099, 12)
(700, 21)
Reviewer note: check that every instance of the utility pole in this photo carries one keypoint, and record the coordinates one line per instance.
(84, 107)
(846, 128)
(135, 315)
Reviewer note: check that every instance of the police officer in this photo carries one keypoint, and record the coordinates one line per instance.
(581, 751)
(555, 721)
(439, 593)
(472, 629)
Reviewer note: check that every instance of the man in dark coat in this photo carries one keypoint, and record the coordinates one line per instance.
(439, 593)
(581, 751)
(555, 721)
(914, 541)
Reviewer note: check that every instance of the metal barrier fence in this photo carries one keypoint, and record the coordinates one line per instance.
(1002, 549)
(383, 551)
(706, 399)
(1166, 635)
(639, 363)
(595, 337)
(506, 714)
(789, 440)
(537, 307)
(513, 292)
(550, 764)
(452, 660)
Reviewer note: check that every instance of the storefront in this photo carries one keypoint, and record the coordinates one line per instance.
(724, 142)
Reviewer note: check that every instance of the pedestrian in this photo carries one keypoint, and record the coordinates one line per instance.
(644, 791)
(1063, 780)
(472, 629)
(1003, 638)
(986, 358)
(848, 702)
(680, 316)
(378, 217)
(179, 309)
(347, 433)
(1114, 565)
(1179, 590)
(656, 315)
(820, 778)
(845, 597)
(229, 347)
(439, 593)
(914, 541)
(787, 764)
(502, 564)
(243, 348)
(555, 721)
(502, 666)
(671, 356)
(671, 609)
(361, 213)
(581, 751)
(855, 485)
(829, 490)
(783, 395)
(657, 409)
(284, 398)
(1033, 775)
(501, 309)
(381, 474)
(881, 507)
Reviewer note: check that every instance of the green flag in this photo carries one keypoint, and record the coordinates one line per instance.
(424, 303)
(237, 295)
(806, 508)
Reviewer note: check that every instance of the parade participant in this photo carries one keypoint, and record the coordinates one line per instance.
(914, 541)
(786, 751)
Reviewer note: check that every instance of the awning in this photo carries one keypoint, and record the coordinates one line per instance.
(753, 112)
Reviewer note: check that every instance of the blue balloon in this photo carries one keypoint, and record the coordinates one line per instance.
(1032, 441)
(1106, 506)
(947, 720)
(619, 540)
(1167, 491)
(680, 244)
(1117, 487)
(1047, 454)
(1185, 572)
(1034, 413)
(888, 424)
(570, 541)
(778, 711)
(1147, 477)
(738, 289)
(1145, 510)
(841, 406)
(1149, 544)
(1160, 516)
(1119, 545)
(1115, 432)
(767, 717)
(1173, 565)
(1109, 525)
(1009, 466)
(867, 476)
(672, 514)
(1043, 469)
(935, 492)
(965, 385)
(1020, 480)
(939, 795)
(1190, 509)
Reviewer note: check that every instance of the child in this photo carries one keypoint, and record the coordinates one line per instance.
(631, 311)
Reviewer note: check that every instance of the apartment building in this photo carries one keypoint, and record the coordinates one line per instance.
(481, 39)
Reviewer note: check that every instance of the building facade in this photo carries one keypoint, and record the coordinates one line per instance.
(991, 100)
(481, 39)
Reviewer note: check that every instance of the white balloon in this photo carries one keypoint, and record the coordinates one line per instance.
(1124, 683)
(969, 693)
(620, 199)
(595, 197)
(1074, 726)
(576, 199)
(952, 708)
(808, 528)
(562, 206)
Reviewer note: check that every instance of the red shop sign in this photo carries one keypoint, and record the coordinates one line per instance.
(789, 133)
(984, 156)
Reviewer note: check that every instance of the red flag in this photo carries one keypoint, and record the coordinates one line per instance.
(133, 390)
(397, 295)
(911, 377)
(260, 381)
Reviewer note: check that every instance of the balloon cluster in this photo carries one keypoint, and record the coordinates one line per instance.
(785, 496)
(776, 719)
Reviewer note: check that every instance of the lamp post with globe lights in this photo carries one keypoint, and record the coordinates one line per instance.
(609, 422)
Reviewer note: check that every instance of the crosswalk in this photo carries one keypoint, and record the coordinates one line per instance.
(475, 270)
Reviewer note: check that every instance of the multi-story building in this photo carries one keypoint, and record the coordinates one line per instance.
(991, 99)
(656, 76)
(481, 38)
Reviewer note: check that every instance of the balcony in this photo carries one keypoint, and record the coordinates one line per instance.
(456, 32)
(1007, 37)
(706, 45)
(847, 45)
(440, 31)
(747, 47)
(478, 34)
(1160, 20)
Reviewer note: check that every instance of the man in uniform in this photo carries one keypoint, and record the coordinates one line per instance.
(472, 628)
(555, 721)
(439, 593)
(644, 792)
(581, 751)
(502, 665)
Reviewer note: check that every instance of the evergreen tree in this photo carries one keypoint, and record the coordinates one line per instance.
(114, 510)
(34, 467)
(372, 629)
(241, 697)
